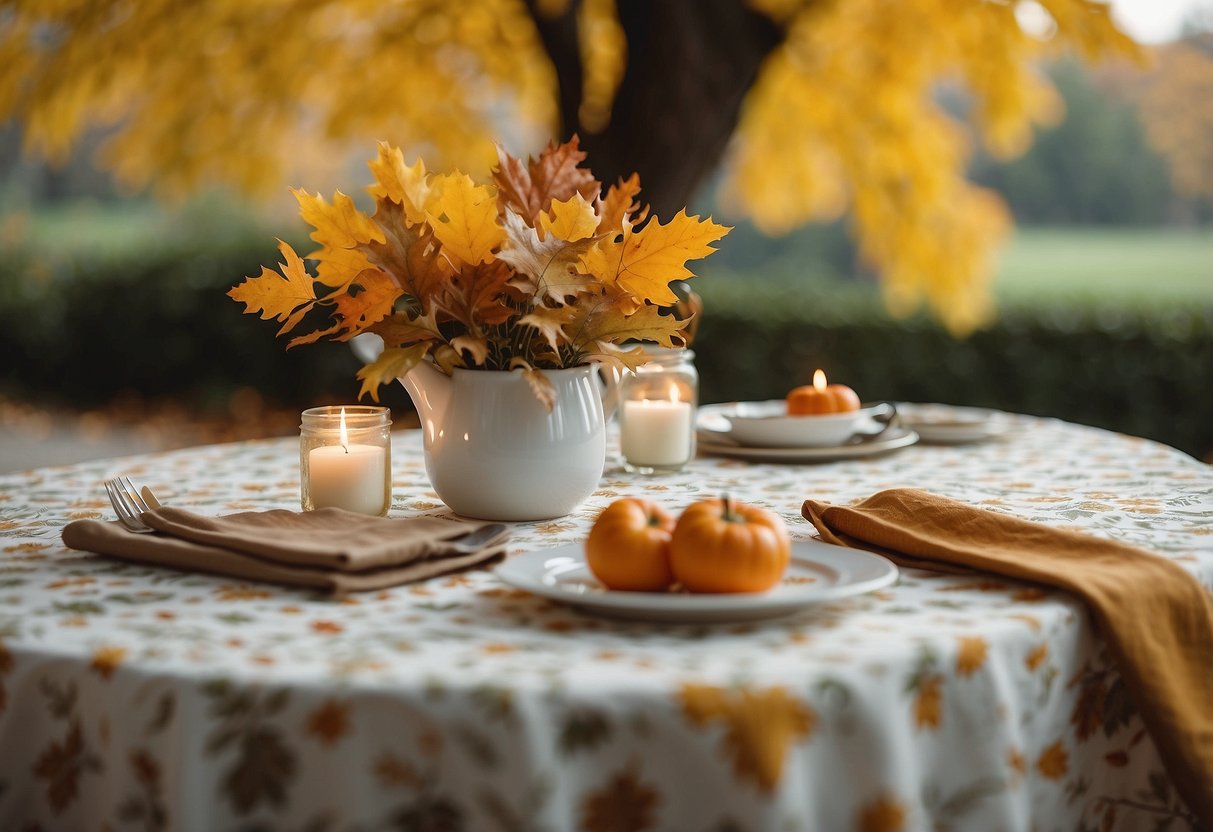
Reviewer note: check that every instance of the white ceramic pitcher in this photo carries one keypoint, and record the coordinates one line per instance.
(493, 452)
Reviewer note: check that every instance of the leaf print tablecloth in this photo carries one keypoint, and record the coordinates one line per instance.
(141, 698)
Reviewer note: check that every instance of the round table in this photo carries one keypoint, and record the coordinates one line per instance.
(145, 698)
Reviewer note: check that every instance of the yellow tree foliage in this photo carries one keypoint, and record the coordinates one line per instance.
(1176, 102)
(843, 116)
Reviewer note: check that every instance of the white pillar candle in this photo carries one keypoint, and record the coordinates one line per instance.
(656, 432)
(352, 477)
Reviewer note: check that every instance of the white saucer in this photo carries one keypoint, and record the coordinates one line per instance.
(715, 436)
(818, 572)
(942, 424)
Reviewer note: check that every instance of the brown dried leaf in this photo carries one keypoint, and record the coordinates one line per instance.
(529, 189)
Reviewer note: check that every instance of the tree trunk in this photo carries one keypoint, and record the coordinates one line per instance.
(690, 64)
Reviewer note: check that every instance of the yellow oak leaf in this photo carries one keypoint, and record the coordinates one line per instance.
(389, 366)
(337, 267)
(971, 655)
(372, 304)
(571, 220)
(619, 204)
(612, 326)
(549, 321)
(464, 219)
(340, 225)
(547, 268)
(644, 262)
(399, 183)
(286, 297)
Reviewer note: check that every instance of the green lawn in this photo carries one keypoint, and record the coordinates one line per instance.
(1133, 265)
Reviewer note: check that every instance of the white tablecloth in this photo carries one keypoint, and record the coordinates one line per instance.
(134, 697)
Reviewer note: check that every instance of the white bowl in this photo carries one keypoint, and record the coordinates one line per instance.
(768, 425)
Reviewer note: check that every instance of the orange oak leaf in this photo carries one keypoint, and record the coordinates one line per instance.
(619, 204)
(389, 366)
(411, 255)
(644, 262)
(400, 330)
(547, 268)
(1053, 762)
(480, 295)
(570, 220)
(286, 297)
(404, 185)
(530, 188)
(339, 225)
(464, 219)
(475, 346)
(971, 655)
(370, 305)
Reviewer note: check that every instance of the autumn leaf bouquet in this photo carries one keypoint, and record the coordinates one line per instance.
(537, 270)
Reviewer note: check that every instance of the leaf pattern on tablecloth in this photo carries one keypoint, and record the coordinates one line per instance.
(760, 727)
(463, 704)
(624, 804)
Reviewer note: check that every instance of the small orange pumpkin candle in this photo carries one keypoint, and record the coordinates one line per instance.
(820, 397)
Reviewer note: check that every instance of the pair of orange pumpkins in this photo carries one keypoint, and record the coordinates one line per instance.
(713, 546)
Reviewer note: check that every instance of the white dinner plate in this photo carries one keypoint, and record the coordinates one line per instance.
(942, 424)
(818, 572)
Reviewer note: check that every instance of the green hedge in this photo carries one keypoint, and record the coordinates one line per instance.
(1143, 372)
(81, 332)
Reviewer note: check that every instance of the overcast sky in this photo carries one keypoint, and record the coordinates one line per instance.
(1154, 20)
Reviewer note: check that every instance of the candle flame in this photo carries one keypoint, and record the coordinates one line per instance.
(819, 380)
(345, 437)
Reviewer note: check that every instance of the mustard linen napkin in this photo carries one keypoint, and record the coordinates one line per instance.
(1156, 617)
(332, 549)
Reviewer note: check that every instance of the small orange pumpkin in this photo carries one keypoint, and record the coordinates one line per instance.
(726, 546)
(628, 547)
(819, 397)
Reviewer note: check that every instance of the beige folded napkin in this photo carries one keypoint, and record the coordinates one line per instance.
(332, 549)
(1156, 617)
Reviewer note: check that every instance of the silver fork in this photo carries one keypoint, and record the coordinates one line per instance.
(128, 504)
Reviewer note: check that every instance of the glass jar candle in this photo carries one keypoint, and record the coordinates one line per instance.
(345, 458)
(657, 412)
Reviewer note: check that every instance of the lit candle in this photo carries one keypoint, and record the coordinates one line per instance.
(352, 477)
(656, 433)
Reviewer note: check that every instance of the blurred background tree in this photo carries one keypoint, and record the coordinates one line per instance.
(821, 106)
(902, 132)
